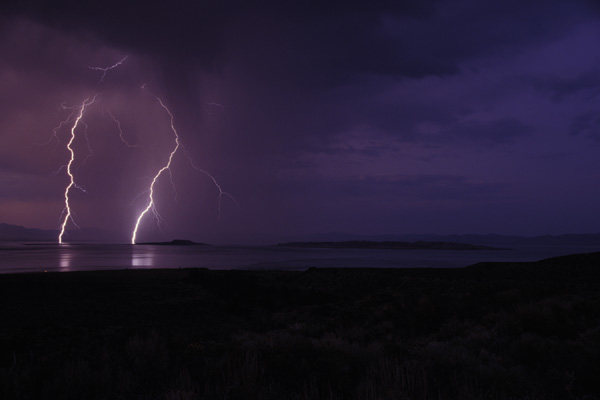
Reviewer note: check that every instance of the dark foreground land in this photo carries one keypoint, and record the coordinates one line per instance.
(491, 331)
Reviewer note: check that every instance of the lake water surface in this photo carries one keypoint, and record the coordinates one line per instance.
(39, 257)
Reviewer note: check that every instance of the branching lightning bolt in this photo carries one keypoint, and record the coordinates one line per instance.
(79, 111)
(87, 142)
(67, 209)
(54, 135)
(222, 193)
(75, 119)
(151, 206)
(106, 69)
(118, 123)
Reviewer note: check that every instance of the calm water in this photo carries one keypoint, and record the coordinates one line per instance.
(32, 257)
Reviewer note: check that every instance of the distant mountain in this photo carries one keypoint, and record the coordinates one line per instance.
(17, 233)
(388, 245)
(343, 237)
(487, 240)
(20, 233)
(10, 232)
(176, 242)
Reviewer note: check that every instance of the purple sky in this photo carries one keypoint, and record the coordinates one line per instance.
(383, 117)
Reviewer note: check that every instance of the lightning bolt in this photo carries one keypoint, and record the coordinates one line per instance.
(118, 123)
(72, 184)
(222, 193)
(151, 206)
(217, 105)
(54, 135)
(106, 69)
(87, 142)
(79, 111)
(75, 118)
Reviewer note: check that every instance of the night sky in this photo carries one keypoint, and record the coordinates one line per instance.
(373, 117)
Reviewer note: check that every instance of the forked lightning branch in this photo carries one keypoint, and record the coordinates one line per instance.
(76, 121)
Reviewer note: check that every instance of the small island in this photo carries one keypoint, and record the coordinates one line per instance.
(389, 245)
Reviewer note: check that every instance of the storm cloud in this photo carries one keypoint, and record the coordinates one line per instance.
(369, 117)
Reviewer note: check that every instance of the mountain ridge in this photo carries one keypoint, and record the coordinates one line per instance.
(11, 232)
(16, 233)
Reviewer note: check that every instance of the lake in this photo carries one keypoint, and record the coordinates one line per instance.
(39, 257)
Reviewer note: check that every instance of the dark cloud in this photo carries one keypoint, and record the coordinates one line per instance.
(200, 30)
(324, 113)
(318, 43)
(585, 85)
(487, 133)
(436, 187)
(586, 124)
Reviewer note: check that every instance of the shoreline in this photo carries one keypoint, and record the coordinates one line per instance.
(32, 259)
(550, 263)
